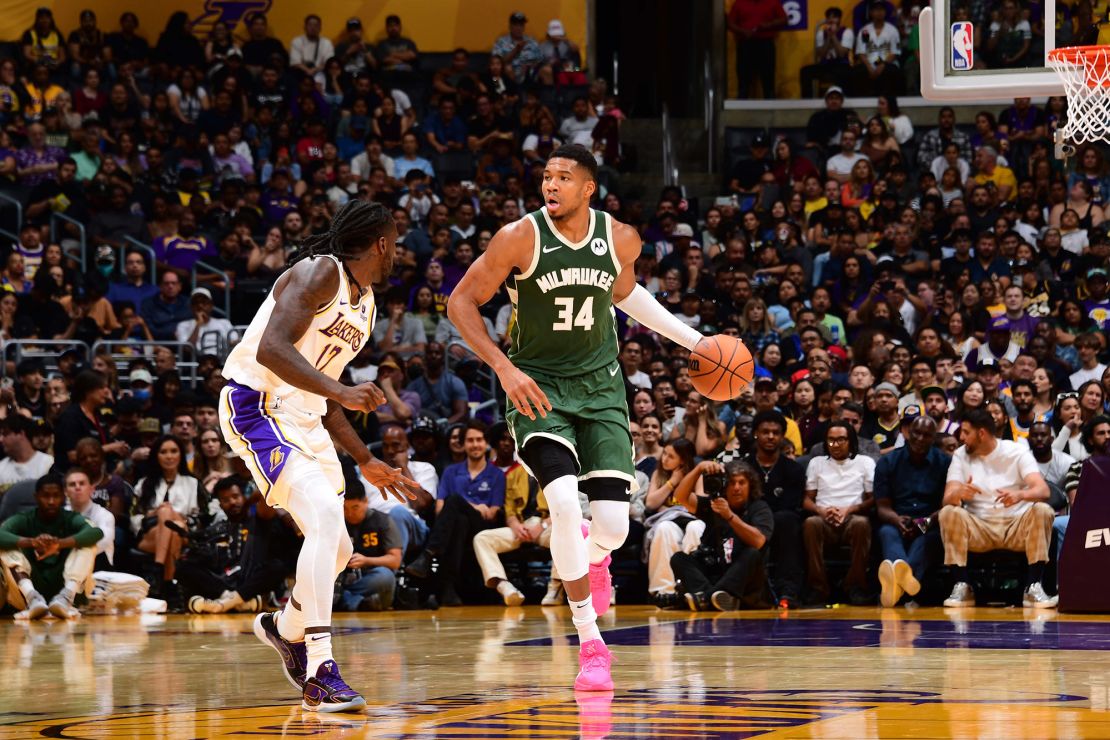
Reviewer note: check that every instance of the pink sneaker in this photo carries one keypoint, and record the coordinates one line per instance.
(593, 661)
(601, 583)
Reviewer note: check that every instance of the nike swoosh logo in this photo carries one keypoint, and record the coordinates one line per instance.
(552, 249)
(613, 372)
(319, 637)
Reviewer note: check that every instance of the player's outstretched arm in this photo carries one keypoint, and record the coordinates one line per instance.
(632, 298)
(510, 248)
(307, 286)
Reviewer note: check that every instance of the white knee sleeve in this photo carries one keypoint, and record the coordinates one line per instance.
(318, 512)
(608, 528)
(568, 547)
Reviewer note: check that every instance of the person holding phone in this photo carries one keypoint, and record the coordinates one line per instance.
(909, 485)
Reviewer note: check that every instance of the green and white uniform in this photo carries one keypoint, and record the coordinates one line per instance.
(565, 338)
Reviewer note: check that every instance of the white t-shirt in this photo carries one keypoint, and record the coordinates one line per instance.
(1081, 376)
(1006, 467)
(422, 472)
(876, 45)
(847, 39)
(840, 483)
(12, 472)
(841, 164)
(640, 379)
(215, 324)
(106, 522)
(1057, 466)
(574, 131)
(940, 164)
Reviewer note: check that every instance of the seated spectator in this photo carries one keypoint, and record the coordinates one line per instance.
(878, 49)
(166, 493)
(406, 516)
(163, 311)
(669, 527)
(526, 520)
(395, 52)
(470, 499)
(519, 50)
(444, 130)
(833, 44)
(210, 463)
(61, 546)
(994, 499)
(441, 392)
(579, 126)
(410, 159)
(42, 44)
(909, 484)
(79, 493)
(839, 494)
(727, 571)
(235, 563)
(88, 415)
(840, 165)
(198, 330)
(23, 462)
(368, 582)
(401, 405)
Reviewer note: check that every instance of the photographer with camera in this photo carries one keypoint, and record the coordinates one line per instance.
(233, 564)
(727, 571)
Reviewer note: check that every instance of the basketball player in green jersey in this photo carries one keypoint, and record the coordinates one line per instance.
(566, 266)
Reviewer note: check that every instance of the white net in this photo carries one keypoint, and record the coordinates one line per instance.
(1085, 72)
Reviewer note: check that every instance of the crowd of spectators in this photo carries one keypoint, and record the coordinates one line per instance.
(927, 311)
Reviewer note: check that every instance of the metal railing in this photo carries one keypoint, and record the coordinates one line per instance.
(122, 351)
(14, 236)
(55, 230)
(670, 169)
(133, 243)
(47, 351)
(710, 112)
(208, 269)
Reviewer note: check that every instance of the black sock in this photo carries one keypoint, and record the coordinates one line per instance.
(1036, 574)
(960, 572)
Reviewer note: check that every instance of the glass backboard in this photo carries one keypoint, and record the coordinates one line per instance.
(982, 50)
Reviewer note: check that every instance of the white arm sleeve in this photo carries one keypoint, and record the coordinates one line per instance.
(641, 306)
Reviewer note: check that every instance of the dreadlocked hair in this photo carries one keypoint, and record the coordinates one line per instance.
(355, 226)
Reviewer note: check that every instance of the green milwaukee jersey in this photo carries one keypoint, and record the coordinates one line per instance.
(565, 325)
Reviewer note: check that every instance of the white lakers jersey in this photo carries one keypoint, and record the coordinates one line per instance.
(338, 331)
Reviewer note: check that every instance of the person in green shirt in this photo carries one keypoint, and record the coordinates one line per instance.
(60, 543)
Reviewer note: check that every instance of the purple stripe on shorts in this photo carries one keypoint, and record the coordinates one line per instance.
(270, 452)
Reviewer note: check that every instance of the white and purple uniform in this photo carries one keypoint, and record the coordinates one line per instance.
(270, 423)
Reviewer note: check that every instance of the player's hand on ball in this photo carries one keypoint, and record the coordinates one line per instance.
(389, 480)
(523, 393)
(362, 397)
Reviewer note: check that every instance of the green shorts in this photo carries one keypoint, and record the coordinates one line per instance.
(589, 414)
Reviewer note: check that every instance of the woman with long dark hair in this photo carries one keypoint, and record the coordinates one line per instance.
(166, 493)
(1067, 419)
(971, 395)
(210, 462)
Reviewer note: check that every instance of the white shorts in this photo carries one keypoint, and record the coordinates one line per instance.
(278, 443)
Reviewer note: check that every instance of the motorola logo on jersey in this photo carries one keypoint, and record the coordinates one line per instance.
(599, 246)
(344, 331)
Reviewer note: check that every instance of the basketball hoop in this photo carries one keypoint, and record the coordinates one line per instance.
(1085, 72)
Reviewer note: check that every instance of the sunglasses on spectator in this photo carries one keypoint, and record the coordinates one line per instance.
(1066, 395)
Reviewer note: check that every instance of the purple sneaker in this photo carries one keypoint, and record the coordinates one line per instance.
(328, 692)
(294, 655)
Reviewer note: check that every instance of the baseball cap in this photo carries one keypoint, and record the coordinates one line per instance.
(683, 230)
(987, 364)
(201, 292)
(799, 375)
(555, 29)
(41, 426)
(354, 23)
(518, 17)
(931, 390)
(1097, 272)
(424, 424)
(910, 413)
(887, 387)
(761, 139)
(150, 425)
(834, 90)
(388, 362)
(141, 375)
(764, 380)
(1000, 323)
(105, 255)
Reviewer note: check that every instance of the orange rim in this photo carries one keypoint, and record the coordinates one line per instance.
(1094, 59)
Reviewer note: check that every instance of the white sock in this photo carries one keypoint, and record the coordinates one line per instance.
(585, 619)
(28, 589)
(290, 622)
(319, 650)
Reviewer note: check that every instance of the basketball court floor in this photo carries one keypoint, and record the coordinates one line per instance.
(505, 673)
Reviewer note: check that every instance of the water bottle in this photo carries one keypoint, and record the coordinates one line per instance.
(835, 331)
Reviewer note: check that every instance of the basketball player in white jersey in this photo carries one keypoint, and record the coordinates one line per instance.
(282, 413)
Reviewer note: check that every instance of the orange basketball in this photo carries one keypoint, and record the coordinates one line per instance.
(721, 367)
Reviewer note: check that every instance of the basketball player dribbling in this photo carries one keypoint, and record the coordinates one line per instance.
(282, 413)
(567, 265)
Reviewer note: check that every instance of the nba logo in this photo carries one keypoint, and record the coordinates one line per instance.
(963, 52)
